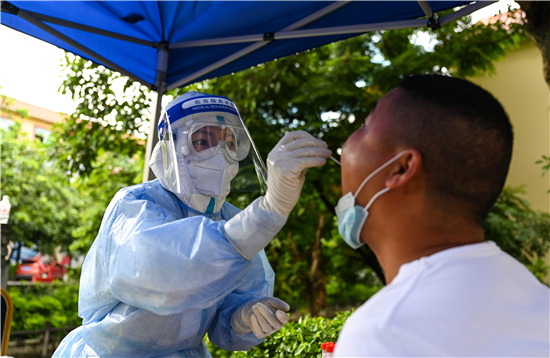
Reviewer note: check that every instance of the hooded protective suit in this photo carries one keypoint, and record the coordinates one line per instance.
(160, 275)
(173, 261)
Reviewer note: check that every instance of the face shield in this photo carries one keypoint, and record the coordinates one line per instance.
(210, 136)
(207, 149)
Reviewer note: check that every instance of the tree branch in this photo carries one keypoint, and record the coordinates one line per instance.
(537, 26)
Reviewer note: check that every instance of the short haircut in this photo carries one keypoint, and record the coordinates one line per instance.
(465, 139)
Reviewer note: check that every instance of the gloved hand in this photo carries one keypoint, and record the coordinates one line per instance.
(286, 168)
(263, 317)
(254, 227)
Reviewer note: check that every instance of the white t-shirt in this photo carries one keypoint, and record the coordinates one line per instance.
(469, 301)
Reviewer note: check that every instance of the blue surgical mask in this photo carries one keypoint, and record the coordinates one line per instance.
(351, 217)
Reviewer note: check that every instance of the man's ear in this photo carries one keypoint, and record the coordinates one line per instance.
(404, 169)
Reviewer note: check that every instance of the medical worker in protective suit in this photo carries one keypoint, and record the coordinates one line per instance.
(174, 261)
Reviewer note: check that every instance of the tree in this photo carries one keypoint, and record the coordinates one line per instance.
(112, 172)
(345, 79)
(112, 116)
(327, 92)
(101, 145)
(536, 23)
(44, 205)
(519, 230)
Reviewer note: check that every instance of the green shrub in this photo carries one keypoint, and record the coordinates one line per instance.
(58, 303)
(301, 339)
(519, 230)
(35, 304)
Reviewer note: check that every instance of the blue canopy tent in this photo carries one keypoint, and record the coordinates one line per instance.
(169, 44)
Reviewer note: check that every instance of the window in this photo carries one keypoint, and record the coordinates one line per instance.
(41, 134)
(6, 123)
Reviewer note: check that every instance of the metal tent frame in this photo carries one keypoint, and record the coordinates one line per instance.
(258, 40)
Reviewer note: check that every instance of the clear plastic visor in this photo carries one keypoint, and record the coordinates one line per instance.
(203, 137)
(206, 135)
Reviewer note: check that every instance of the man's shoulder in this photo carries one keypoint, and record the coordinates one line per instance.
(444, 303)
(376, 311)
(434, 286)
(374, 331)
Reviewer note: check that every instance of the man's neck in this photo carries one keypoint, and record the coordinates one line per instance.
(398, 248)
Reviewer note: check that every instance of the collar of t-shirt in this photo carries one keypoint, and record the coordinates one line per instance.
(480, 249)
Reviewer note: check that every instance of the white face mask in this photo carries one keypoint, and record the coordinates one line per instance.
(212, 176)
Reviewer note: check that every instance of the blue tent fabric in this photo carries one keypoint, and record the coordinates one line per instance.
(170, 22)
(142, 39)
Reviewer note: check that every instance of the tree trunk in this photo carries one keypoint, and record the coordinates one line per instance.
(307, 282)
(537, 14)
(316, 274)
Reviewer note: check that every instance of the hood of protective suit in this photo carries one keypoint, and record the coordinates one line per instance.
(216, 171)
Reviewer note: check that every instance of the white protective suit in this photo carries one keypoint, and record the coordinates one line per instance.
(162, 272)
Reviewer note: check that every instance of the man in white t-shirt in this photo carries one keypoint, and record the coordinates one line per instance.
(420, 176)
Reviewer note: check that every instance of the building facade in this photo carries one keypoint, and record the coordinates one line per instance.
(520, 87)
(36, 122)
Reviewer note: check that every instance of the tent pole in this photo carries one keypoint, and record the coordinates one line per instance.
(217, 65)
(90, 29)
(426, 8)
(393, 25)
(464, 11)
(337, 30)
(160, 84)
(257, 45)
(433, 19)
(325, 31)
(352, 29)
(33, 20)
(219, 41)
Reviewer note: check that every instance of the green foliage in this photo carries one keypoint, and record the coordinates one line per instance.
(5, 101)
(519, 230)
(112, 172)
(44, 206)
(345, 79)
(539, 268)
(545, 162)
(102, 122)
(300, 339)
(23, 112)
(101, 145)
(327, 92)
(38, 303)
(462, 49)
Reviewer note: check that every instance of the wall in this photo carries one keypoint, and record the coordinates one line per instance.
(519, 85)
(38, 122)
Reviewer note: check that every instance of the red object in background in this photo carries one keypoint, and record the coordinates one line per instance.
(328, 347)
(43, 268)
